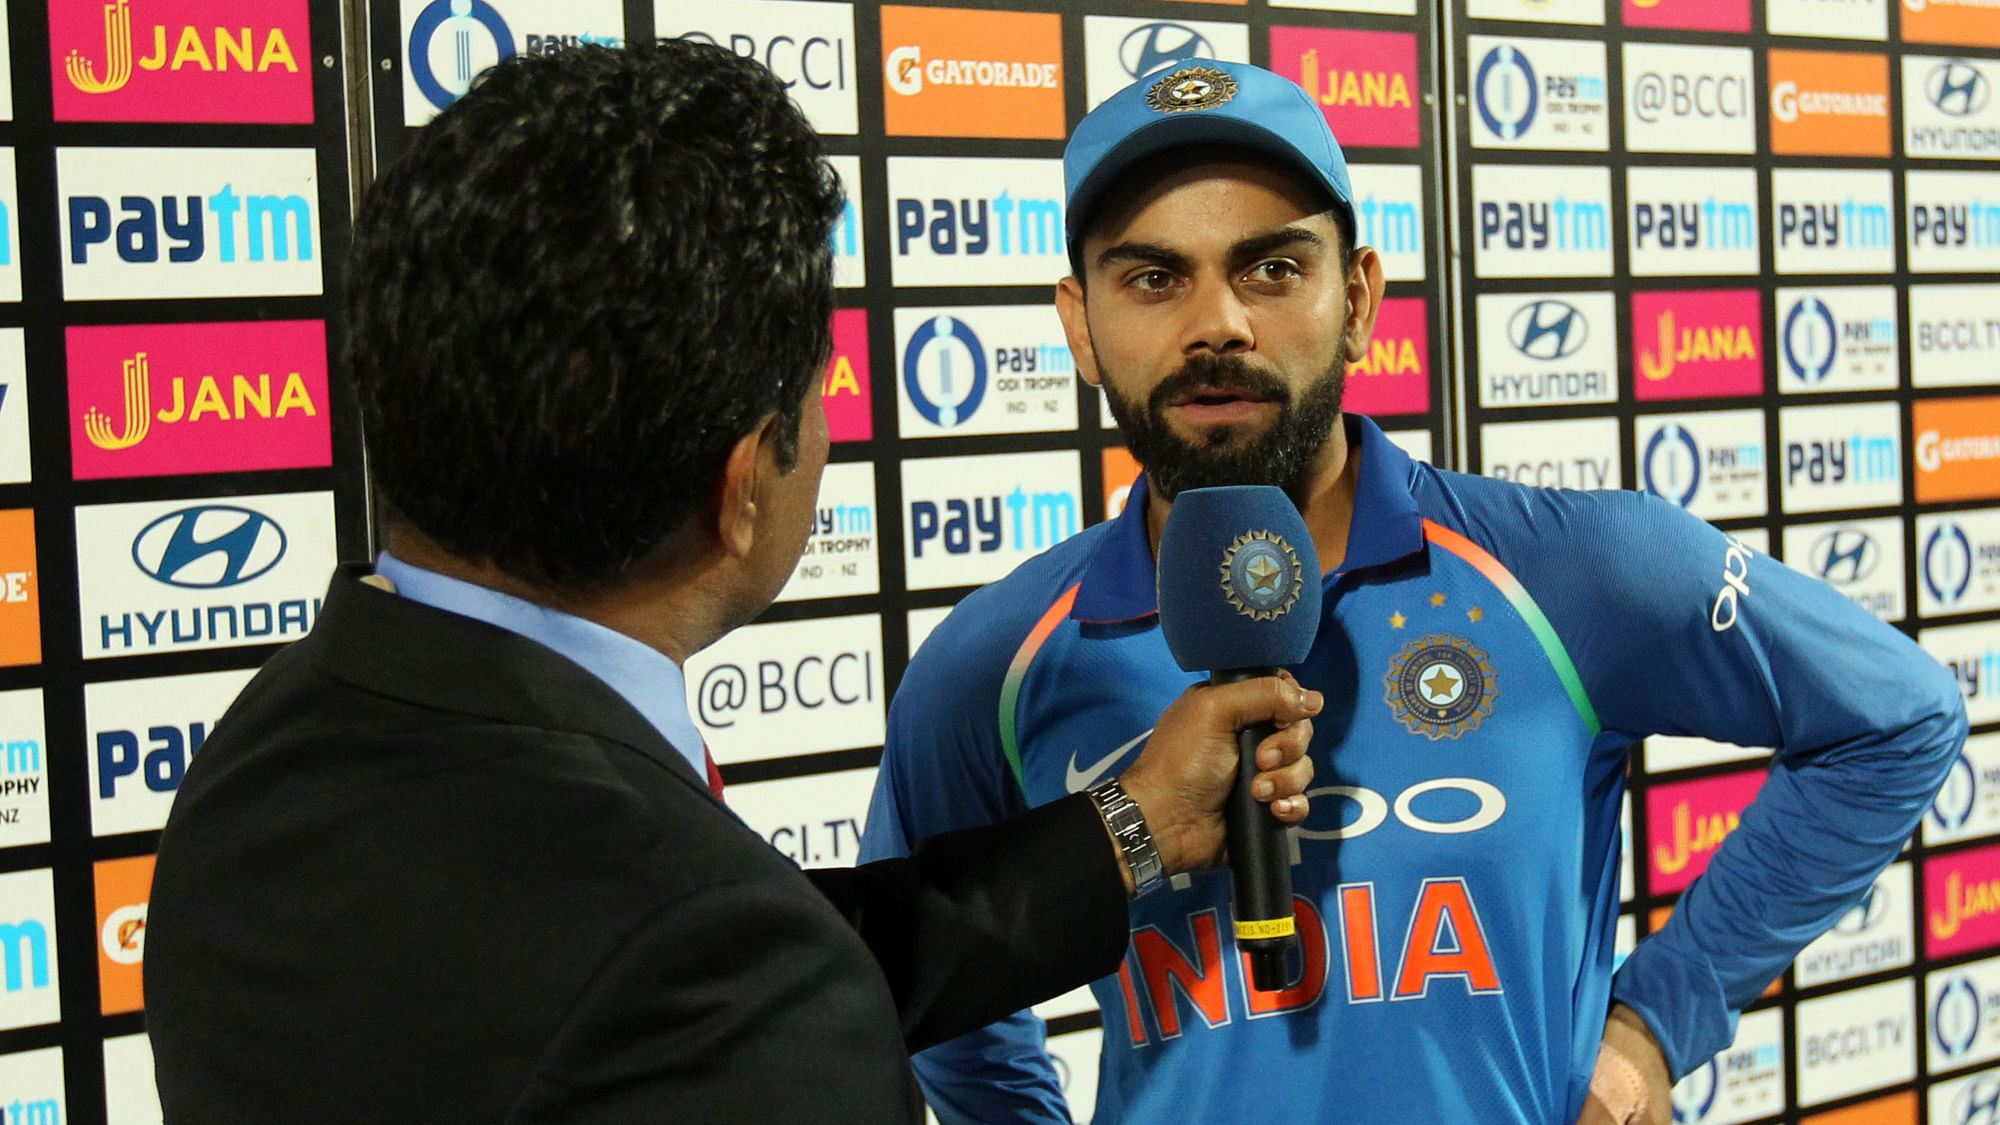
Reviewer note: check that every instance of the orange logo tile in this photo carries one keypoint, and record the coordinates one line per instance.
(1829, 103)
(1896, 1109)
(20, 597)
(1957, 441)
(957, 72)
(124, 887)
(1965, 23)
(1120, 471)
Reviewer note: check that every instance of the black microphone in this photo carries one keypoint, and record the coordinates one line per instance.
(1239, 590)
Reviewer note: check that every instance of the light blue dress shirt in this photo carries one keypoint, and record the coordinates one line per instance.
(643, 676)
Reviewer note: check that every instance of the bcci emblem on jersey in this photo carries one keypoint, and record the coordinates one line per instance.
(1440, 686)
(1260, 575)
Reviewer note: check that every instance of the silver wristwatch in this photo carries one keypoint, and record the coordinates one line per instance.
(1128, 826)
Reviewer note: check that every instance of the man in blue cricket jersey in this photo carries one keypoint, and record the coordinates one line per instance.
(1489, 653)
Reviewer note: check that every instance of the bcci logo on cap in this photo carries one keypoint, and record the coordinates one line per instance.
(1441, 686)
(205, 548)
(1260, 575)
(1191, 88)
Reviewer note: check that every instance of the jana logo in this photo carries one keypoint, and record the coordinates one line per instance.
(462, 20)
(1955, 1017)
(1505, 92)
(209, 547)
(1694, 1095)
(1952, 807)
(1672, 457)
(1548, 330)
(1157, 46)
(944, 371)
(1809, 340)
(1958, 88)
(1947, 563)
(1845, 555)
(1864, 915)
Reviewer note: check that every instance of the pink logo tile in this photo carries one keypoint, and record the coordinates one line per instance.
(1687, 821)
(845, 391)
(1962, 902)
(1697, 344)
(1689, 15)
(1364, 81)
(165, 399)
(181, 60)
(1395, 376)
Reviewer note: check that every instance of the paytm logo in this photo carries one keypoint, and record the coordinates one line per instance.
(842, 558)
(1525, 231)
(1693, 221)
(30, 980)
(24, 798)
(1971, 653)
(984, 370)
(1539, 93)
(189, 222)
(1841, 456)
(140, 737)
(1388, 215)
(1954, 225)
(850, 266)
(1711, 464)
(972, 519)
(10, 229)
(976, 221)
(16, 464)
(1837, 339)
(1833, 221)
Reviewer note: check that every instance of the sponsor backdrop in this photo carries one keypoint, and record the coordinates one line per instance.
(179, 467)
(1738, 253)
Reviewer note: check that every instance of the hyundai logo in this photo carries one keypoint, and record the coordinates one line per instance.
(1548, 330)
(208, 547)
(1157, 46)
(1977, 1104)
(1844, 555)
(1957, 87)
(1864, 915)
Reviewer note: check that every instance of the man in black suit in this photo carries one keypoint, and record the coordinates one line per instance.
(452, 857)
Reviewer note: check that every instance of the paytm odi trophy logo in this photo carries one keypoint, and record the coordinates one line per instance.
(1260, 575)
(462, 20)
(1441, 686)
(944, 395)
(1191, 88)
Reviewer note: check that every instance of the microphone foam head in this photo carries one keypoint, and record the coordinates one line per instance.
(1239, 581)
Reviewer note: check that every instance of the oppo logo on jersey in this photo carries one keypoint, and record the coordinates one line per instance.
(1374, 807)
(1444, 944)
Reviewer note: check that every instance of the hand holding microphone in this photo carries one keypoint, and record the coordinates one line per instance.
(1239, 595)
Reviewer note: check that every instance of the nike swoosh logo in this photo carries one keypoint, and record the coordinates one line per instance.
(1077, 780)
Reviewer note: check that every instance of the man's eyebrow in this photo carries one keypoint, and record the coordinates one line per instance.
(1257, 246)
(1149, 252)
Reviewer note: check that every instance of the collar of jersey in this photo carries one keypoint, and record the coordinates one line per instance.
(1119, 583)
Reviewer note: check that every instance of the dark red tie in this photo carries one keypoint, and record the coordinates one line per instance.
(714, 774)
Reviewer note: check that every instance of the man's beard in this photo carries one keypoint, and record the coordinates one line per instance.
(1282, 455)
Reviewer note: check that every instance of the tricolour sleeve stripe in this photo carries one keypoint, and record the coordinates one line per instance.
(1524, 604)
(1010, 687)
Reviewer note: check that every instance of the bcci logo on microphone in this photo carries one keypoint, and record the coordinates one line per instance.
(1441, 686)
(1260, 575)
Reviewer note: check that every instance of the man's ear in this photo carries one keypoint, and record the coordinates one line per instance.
(1069, 308)
(753, 455)
(1364, 301)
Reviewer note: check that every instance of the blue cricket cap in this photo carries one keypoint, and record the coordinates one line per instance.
(1200, 101)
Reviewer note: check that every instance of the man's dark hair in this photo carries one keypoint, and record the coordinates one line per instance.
(582, 284)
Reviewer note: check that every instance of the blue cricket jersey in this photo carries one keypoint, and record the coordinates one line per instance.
(1489, 653)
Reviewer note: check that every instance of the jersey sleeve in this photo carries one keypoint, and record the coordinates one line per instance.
(1678, 628)
(944, 768)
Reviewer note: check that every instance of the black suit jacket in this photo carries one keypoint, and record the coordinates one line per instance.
(427, 870)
